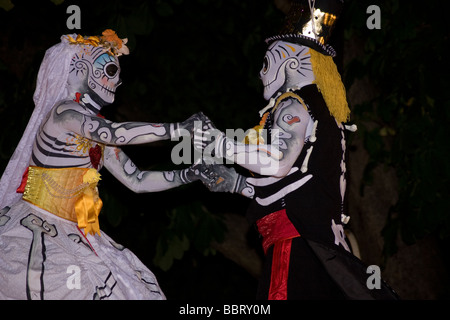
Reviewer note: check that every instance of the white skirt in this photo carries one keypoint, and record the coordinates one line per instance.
(43, 256)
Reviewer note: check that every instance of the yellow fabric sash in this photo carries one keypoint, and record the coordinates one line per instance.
(69, 193)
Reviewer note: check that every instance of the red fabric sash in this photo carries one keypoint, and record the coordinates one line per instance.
(277, 230)
(280, 270)
(275, 227)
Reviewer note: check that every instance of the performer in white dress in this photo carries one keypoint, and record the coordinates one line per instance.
(51, 246)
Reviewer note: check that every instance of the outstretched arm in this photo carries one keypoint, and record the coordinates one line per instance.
(124, 170)
(72, 117)
(291, 121)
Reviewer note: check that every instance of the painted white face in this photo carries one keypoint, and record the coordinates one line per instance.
(95, 72)
(286, 65)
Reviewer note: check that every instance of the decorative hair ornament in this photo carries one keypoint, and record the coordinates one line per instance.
(109, 40)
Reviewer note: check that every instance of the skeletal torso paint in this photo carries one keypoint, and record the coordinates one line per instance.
(73, 134)
(72, 128)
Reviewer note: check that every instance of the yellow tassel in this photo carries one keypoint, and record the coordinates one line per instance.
(254, 136)
(329, 82)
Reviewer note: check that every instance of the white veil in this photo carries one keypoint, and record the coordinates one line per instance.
(51, 87)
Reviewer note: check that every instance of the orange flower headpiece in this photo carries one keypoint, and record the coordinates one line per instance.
(109, 40)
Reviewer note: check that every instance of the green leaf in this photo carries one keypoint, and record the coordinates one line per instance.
(166, 253)
(164, 9)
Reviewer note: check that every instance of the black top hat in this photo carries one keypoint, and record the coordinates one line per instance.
(310, 23)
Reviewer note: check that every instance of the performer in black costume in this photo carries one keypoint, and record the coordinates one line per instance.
(297, 158)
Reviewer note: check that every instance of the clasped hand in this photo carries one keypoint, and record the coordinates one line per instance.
(216, 177)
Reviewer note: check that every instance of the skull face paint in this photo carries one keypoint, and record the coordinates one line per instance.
(95, 72)
(286, 65)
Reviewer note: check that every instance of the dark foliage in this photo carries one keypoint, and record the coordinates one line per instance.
(188, 56)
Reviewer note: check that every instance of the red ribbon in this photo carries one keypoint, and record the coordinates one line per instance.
(277, 230)
(280, 270)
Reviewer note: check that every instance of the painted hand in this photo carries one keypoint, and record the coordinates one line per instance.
(197, 120)
(192, 122)
(191, 174)
(204, 133)
(217, 177)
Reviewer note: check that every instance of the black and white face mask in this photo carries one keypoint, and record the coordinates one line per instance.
(286, 65)
(95, 71)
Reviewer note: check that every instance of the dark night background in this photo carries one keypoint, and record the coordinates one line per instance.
(205, 55)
